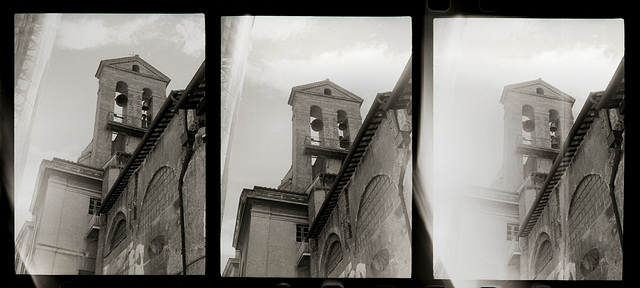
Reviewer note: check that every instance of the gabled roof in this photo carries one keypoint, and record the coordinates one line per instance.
(126, 63)
(317, 89)
(530, 88)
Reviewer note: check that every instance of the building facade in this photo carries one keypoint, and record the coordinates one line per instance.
(61, 238)
(271, 230)
(134, 202)
(344, 207)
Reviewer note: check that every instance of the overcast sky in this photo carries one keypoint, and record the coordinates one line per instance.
(362, 55)
(475, 58)
(63, 125)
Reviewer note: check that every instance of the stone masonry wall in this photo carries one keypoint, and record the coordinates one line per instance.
(591, 226)
(370, 221)
(153, 241)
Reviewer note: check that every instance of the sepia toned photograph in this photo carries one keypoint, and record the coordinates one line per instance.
(529, 149)
(316, 147)
(110, 131)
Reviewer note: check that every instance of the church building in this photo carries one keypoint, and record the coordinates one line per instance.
(344, 207)
(134, 202)
(555, 209)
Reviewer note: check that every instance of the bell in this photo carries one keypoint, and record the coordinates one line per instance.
(317, 125)
(344, 143)
(528, 125)
(342, 125)
(553, 127)
(121, 100)
(145, 105)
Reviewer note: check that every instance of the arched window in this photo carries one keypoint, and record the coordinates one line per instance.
(121, 99)
(528, 124)
(158, 215)
(147, 96)
(160, 194)
(334, 255)
(587, 203)
(540, 91)
(373, 209)
(343, 129)
(317, 125)
(327, 91)
(135, 68)
(544, 256)
(592, 189)
(554, 129)
(119, 230)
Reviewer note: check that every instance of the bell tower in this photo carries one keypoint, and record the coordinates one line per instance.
(537, 119)
(326, 118)
(130, 91)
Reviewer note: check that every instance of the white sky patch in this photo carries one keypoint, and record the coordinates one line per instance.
(190, 33)
(136, 30)
(368, 70)
(80, 32)
(279, 28)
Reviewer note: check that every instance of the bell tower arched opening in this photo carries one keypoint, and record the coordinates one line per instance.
(121, 100)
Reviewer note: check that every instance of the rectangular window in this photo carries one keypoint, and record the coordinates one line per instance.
(301, 232)
(94, 205)
(512, 232)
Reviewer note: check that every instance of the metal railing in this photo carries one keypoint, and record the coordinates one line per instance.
(512, 248)
(93, 224)
(542, 142)
(340, 144)
(303, 251)
(141, 122)
(118, 159)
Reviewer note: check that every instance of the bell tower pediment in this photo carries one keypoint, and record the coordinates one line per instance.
(324, 88)
(134, 65)
(537, 88)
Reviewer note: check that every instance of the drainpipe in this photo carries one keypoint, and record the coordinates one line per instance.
(616, 145)
(614, 172)
(187, 144)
